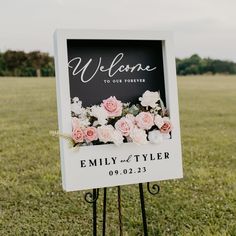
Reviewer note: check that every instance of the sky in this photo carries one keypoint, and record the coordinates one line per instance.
(205, 27)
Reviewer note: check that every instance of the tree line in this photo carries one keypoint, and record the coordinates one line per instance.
(20, 63)
(195, 65)
(36, 63)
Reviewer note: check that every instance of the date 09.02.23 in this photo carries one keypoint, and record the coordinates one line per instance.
(127, 171)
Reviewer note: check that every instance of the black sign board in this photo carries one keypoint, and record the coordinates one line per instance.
(99, 69)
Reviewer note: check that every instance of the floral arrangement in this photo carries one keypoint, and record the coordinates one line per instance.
(115, 122)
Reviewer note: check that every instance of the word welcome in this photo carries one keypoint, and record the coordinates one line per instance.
(115, 67)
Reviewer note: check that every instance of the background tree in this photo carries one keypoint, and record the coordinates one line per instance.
(2, 65)
(14, 61)
(38, 60)
(36, 63)
(196, 65)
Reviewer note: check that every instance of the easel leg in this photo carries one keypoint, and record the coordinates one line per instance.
(104, 212)
(94, 214)
(145, 231)
(92, 197)
(119, 209)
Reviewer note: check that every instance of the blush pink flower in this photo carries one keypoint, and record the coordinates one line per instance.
(144, 120)
(75, 123)
(138, 136)
(124, 125)
(167, 126)
(90, 134)
(112, 106)
(105, 133)
(131, 117)
(117, 137)
(77, 135)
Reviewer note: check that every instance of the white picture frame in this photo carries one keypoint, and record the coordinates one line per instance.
(76, 178)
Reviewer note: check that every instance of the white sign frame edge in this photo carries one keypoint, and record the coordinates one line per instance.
(63, 92)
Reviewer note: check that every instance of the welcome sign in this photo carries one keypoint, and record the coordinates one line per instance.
(118, 107)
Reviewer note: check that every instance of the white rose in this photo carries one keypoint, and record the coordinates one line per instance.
(76, 100)
(166, 136)
(149, 99)
(117, 137)
(155, 137)
(100, 113)
(76, 106)
(158, 120)
(84, 122)
(138, 136)
(84, 112)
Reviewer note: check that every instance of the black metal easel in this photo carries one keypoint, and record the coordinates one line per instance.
(92, 197)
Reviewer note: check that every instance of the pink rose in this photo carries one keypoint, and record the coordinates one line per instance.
(131, 118)
(167, 126)
(90, 134)
(77, 135)
(124, 125)
(112, 106)
(145, 120)
(105, 133)
(138, 136)
(75, 123)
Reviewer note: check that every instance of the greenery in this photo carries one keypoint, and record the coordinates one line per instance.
(196, 65)
(19, 63)
(36, 63)
(202, 203)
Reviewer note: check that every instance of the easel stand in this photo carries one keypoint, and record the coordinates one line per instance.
(92, 197)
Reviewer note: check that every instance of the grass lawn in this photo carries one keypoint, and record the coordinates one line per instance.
(203, 203)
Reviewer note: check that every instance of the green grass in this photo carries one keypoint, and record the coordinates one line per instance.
(203, 203)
